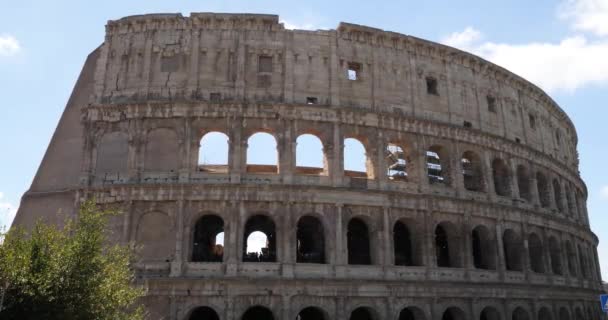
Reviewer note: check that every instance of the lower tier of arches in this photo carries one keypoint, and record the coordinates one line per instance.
(198, 299)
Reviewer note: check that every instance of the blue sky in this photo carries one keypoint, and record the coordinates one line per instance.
(560, 45)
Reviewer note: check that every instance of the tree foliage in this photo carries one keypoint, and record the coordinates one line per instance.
(67, 273)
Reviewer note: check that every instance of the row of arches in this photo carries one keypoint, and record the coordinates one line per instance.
(453, 245)
(408, 313)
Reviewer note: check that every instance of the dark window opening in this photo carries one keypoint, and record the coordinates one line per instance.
(204, 313)
(354, 71)
(571, 255)
(583, 262)
(259, 240)
(489, 313)
(523, 183)
(536, 251)
(518, 140)
(397, 163)
(502, 178)
(312, 100)
(543, 190)
(310, 241)
(491, 103)
(556, 256)
(208, 244)
(431, 86)
(471, 172)
(258, 313)
(520, 314)
(442, 248)
(484, 255)
(215, 96)
(453, 314)
(557, 194)
(358, 243)
(435, 164)
(545, 314)
(467, 124)
(513, 249)
(265, 64)
(361, 314)
(402, 243)
(311, 313)
(411, 313)
(532, 120)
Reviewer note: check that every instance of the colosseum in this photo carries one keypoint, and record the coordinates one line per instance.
(470, 204)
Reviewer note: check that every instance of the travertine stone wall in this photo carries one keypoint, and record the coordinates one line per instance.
(162, 82)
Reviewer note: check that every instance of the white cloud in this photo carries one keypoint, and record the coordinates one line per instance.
(7, 212)
(604, 192)
(567, 65)
(586, 15)
(9, 46)
(294, 26)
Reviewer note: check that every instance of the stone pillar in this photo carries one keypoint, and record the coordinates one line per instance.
(489, 178)
(456, 170)
(193, 70)
(340, 250)
(179, 259)
(237, 152)
(501, 265)
(386, 238)
(288, 244)
(468, 262)
(513, 179)
(286, 147)
(335, 73)
(336, 173)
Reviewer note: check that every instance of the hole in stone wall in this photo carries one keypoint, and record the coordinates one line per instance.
(310, 157)
(502, 178)
(205, 246)
(311, 313)
(204, 313)
(532, 121)
(447, 246)
(215, 96)
(260, 240)
(262, 155)
(453, 314)
(513, 248)
(355, 158)
(489, 313)
(397, 163)
(582, 262)
(491, 103)
(411, 313)
(484, 253)
(258, 313)
(358, 243)
(431, 86)
(571, 258)
(555, 252)
(402, 243)
(213, 153)
(557, 195)
(436, 165)
(523, 183)
(310, 240)
(564, 314)
(543, 190)
(536, 251)
(471, 171)
(361, 314)
(354, 71)
(312, 100)
(520, 314)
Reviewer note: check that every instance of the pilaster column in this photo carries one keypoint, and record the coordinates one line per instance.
(178, 260)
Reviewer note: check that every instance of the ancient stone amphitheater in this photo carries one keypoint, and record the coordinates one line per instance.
(470, 204)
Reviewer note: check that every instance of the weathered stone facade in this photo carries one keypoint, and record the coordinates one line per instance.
(479, 213)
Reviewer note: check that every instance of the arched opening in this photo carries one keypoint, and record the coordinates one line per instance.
(397, 162)
(404, 245)
(262, 155)
(358, 243)
(582, 262)
(213, 153)
(520, 314)
(310, 241)
(311, 313)
(570, 202)
(557, 194)
(579, 314)
(523, 183)
(489, 313)
(162, 151)
(564, 314)
(447, 246)
(556, 256)
(502, 178)
(471, 171)
(484, 249)
(356, 162)
(453, 313)
(205, 245)
(260, 240)
(361, 313)
(112, 153)
(571, 258)
(543, 190)
(258, 313)
(437, 165)
(513, 250)
(310, 157)
(411, 313)
(536, 253)
(544, 314)
(204, 313)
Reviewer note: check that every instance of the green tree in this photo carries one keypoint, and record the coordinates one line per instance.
(67, 273)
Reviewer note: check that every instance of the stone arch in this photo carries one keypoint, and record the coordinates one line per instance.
(113, 153)
(398, 162)
(520, 314)
(484, 248)
(162, 151)
(310, 240)
(453, 313)
(502, 177)
(578, 314)
(489, 313)
(357, 162)
(312, 313)
(536, 253)
(205, 246)
(564, 314)
(447, 246)
(411, 313)
(213, 152)
(513, 249)
(523, 183)
(582, 262)
(542, 185)
(555, 252)
(155, 237)
(557, 195)
(544, 314)
(437, 165)
(262, 153)
(358, 243)
(571, 258)
(203, 313)
(363, 313)
(472, 171)
(310, 155)
(406, 245)
(258, 313)
(264, 224)
(571, 206)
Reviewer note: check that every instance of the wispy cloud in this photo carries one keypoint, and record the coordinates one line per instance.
(604, 192)
(9, 46)
(572, 63)
(300, 26)
(7, 212)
